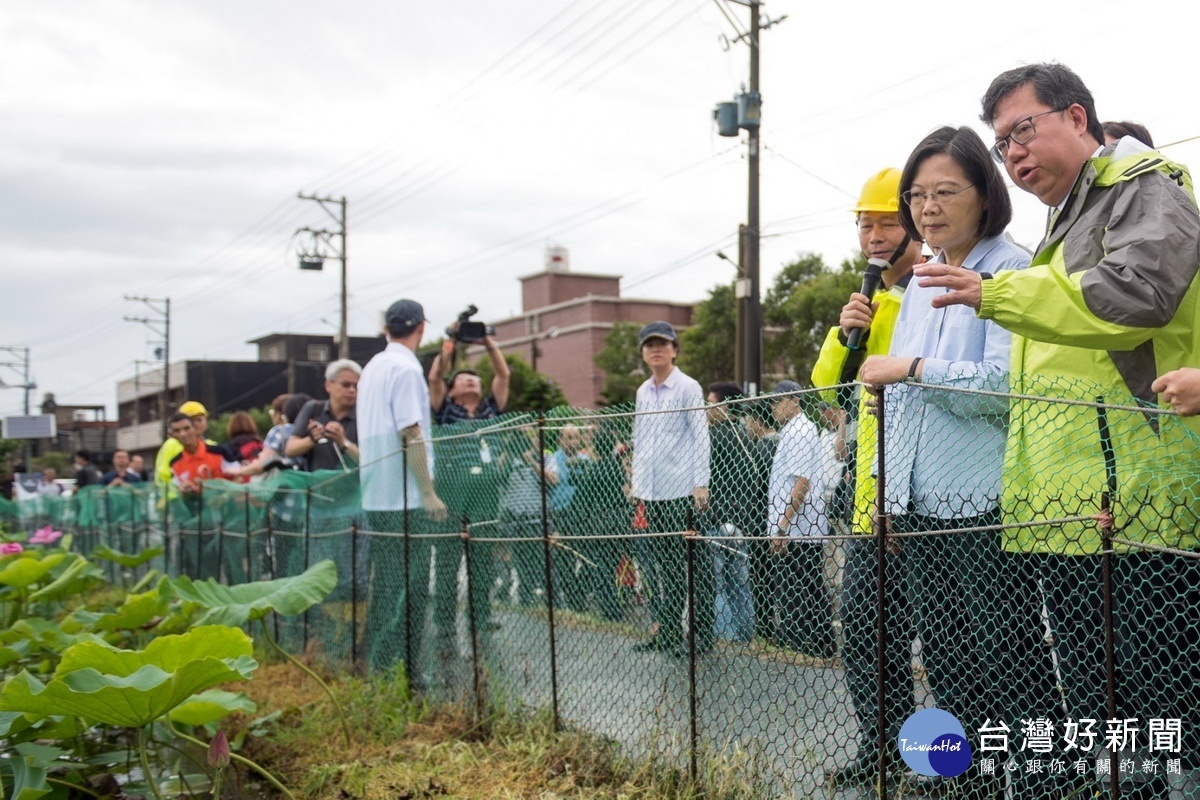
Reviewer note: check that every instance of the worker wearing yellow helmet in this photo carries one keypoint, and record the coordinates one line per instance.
(172, 447)
(882, 237)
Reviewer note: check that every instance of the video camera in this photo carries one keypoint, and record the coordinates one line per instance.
(464, 330)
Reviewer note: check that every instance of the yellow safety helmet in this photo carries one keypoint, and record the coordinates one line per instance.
(880, 193)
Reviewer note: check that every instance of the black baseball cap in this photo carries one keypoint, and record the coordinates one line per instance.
(658, 330)
(403, 316)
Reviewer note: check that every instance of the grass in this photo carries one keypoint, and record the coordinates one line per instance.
(403, 749)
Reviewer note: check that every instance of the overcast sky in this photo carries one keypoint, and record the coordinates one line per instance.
(157, 148)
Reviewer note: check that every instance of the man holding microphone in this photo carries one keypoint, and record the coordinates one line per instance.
(865, 329)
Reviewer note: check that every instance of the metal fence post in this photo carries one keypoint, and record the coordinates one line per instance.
(881, 526)
(690, 544)
(273, 562)
(354, 593)
(1106, 579)
(409, 667)
(178, 546)
(307, 549)
(199, 530)
(221, 550)
(541, 455)
(474, 632)
(113, 542)
(249, 557)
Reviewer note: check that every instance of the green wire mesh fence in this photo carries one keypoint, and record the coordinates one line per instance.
(1026, 562)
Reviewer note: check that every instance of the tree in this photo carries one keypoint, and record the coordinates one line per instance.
(806, 300)
(219, 424)
(621, 360)
(527, 390)
(707, 348)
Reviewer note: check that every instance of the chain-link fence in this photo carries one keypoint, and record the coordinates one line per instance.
(773, 584)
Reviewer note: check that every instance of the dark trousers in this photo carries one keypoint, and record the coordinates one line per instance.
(764, 585)
(664, 565)
(860, 652)
(1156, 605)
(806, 608)
(598, 584)
(978, 615)
(399, 591)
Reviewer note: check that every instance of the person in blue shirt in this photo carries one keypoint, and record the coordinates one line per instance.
(944, 450)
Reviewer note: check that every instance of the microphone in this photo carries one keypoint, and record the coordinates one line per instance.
(872, 278)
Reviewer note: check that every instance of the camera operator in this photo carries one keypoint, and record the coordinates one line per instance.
(463, 397)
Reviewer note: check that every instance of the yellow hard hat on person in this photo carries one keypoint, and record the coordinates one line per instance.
(193, 408)
(880, 193)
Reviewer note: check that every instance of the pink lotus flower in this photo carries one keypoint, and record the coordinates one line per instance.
(46, 535)
(9, 548)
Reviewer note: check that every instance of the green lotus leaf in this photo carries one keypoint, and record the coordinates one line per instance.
(80, 619)
(145, 581)
(73, 580)
(57, 557)
(29, 779)
(136, 611)
(24, 572)
(12, 723)
(126, 559)
(18, 651)
(211, 706)
(236, 605)
(132, 688)
(47, 635)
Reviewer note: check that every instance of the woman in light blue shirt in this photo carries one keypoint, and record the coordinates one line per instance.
(944, 449)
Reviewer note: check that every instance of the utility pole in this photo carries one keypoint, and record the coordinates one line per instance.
(314, 259)
(161, 326)
(752, 380)
(26, 384)
(746, 114)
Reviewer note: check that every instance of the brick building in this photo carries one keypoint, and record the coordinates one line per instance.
(564, 318)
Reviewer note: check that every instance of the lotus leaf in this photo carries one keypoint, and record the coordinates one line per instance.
(24, 572)
(72, 581)
(29, 779)
(211, 706)
(132, 688)
(136, 611)
(125, 559)
(236, 605)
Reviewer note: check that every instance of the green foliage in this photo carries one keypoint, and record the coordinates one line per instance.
(106, 553)
(246, 602)
(103, 685)
(707, 348)
(57, 460)
(805, 301)
(528, 391)
(210, 706)
(624, 370)
(76, 683)
(218, 425)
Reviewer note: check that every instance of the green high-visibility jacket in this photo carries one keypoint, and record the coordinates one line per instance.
(837, 364)
(1108, 303)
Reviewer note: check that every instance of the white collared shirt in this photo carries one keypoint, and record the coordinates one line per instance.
(392, 395)
(670, 450)
(799, 455)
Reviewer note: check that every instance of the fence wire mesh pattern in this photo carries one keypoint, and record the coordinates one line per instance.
(772, 583)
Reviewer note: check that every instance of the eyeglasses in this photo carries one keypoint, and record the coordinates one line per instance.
(347, 384)
(1021, 133)
(943, 197)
